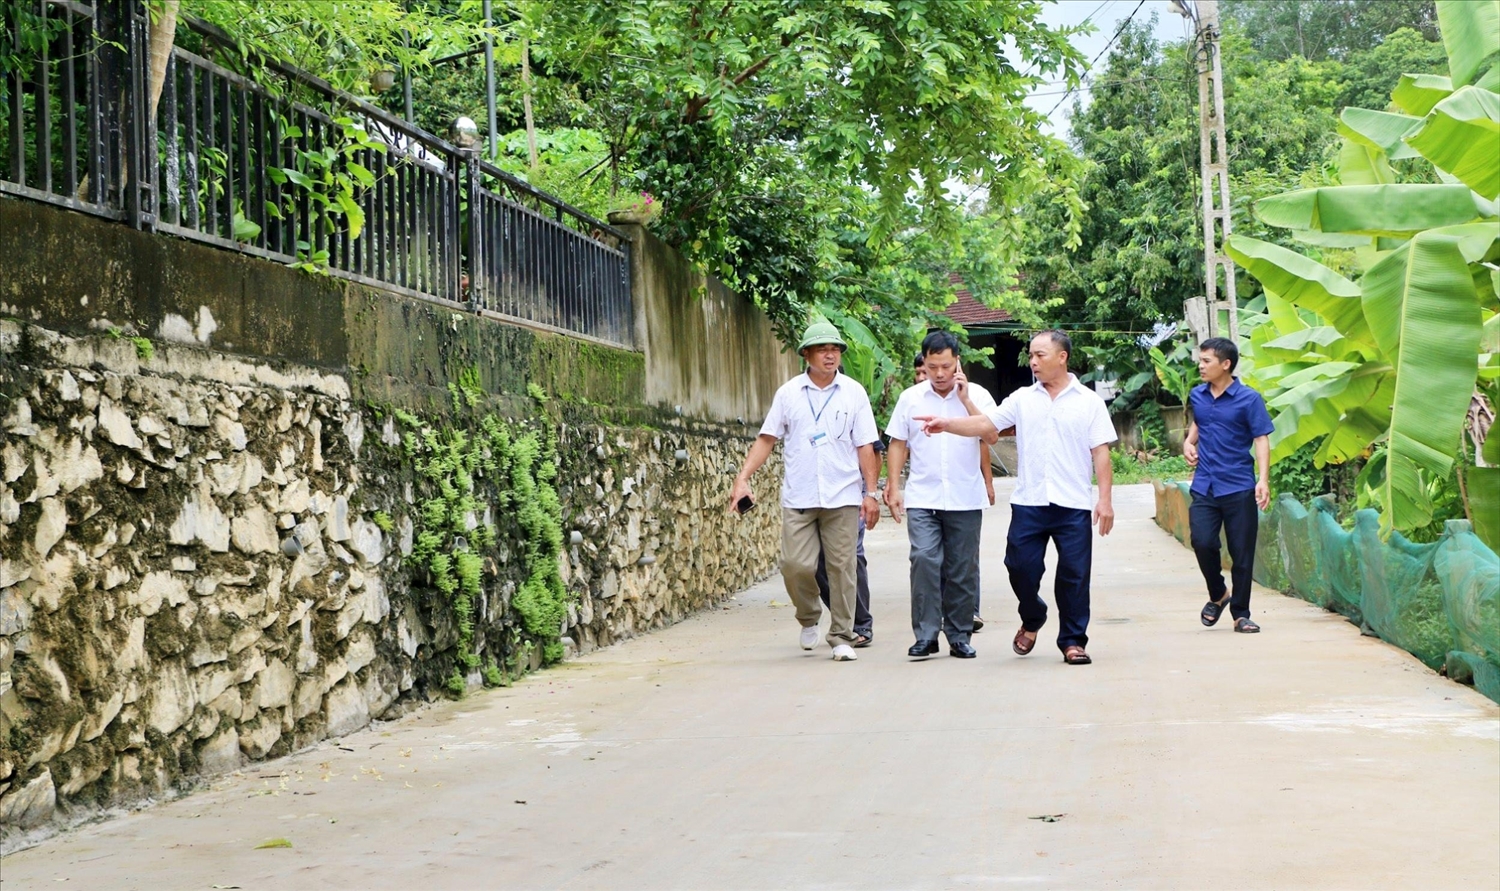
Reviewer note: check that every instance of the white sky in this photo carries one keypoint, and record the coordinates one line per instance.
(1106, 16)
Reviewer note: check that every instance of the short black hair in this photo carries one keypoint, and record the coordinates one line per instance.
(1059, 339)
(938, 341)
(919, 361)
(1223, 348)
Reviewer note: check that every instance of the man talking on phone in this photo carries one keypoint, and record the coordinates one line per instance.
(827, 429)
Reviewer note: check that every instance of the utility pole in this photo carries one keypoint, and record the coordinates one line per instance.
(1203, 313)
(489, 80)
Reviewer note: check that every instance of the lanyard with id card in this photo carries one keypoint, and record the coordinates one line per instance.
(820, 437)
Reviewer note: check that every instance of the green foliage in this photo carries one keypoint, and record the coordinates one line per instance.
(1370, 75)
(1129, 468)
(1298, 475)
(517, 466)
(341, 41)
(494, 676)
(811, 191)
(144, 349)
(1140, 243)
(1327, 29)
(1392, 358)
(535, 391)
(1176, 373)
(382, 521)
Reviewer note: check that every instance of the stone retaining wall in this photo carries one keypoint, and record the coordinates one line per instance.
(201, 561)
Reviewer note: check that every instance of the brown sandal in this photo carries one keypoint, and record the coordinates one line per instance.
(1022, 644)
(1075, 655)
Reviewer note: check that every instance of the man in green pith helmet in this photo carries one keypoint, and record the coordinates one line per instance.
(827, 429)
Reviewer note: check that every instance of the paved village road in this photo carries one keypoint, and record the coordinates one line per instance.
(716, 754)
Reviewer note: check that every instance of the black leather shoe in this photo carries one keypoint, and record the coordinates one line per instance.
(922, 648)
(962, 651)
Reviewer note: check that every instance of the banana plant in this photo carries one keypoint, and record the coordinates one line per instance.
(1394, 356)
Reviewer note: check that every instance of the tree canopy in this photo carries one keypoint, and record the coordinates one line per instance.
(1140, 252)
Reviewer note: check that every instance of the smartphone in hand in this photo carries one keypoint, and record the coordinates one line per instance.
(744, 504)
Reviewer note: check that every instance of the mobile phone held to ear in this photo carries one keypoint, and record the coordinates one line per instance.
(744, 504)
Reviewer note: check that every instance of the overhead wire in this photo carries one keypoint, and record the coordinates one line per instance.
(1118, 31)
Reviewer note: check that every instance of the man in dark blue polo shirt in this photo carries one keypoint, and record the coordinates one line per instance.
(1228, 419)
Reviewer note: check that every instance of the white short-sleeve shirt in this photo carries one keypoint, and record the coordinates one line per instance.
(945, 470)
(1053, 442)
(820, 432)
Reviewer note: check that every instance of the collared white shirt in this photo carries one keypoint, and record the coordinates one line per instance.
(1053, 441)
(820, 432)
(945, 471)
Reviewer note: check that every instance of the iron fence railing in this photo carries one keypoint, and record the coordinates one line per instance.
(290, 169)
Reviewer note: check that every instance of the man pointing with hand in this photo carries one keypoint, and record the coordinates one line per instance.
(1063, 434)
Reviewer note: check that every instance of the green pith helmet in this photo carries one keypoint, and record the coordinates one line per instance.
(819, 333)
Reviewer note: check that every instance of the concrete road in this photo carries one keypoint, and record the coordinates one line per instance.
(716, 754)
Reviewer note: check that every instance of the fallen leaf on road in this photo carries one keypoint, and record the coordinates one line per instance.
(1048, 818)
(274, 843)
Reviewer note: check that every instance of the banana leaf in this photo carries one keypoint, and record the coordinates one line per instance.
(1317, 408)
(1399, 210)
(1483, 485)
(1416, 94)
(1422, 308)
(1305, 282)
(1361, 165)
(1323, 340)
(1283, 313)
(1381, 130)
(1471, 35)
(1318, 372)
(1359, 426)
(1461, 136)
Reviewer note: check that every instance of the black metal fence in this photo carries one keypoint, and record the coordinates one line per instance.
(290, 169)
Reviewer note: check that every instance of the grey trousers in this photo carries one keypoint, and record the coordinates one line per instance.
(944, 572)
(836, 531)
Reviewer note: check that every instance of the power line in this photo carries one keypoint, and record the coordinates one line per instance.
(1121, 30)
(1086, 20)
(1090, 86)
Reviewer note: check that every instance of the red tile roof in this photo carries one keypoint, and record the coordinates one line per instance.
(968, 311)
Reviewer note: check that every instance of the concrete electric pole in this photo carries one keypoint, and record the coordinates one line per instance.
(1204, 313)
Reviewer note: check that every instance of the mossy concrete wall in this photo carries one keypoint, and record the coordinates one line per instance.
(76, 274)
(708, 350)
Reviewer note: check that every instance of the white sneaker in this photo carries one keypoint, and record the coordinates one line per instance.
(809, 637)
(844, 653)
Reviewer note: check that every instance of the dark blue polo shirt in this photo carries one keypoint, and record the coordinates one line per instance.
(1227, 427)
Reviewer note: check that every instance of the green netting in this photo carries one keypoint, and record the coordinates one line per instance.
(1403, 600)
(1470, 576)
(1269, 570)
(1338, 561)
(1300, 553)
(1440, 601)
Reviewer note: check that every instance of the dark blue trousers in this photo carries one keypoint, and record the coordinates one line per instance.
(1239, 516)
(1025, 559)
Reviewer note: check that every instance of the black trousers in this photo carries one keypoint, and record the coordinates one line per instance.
(863, 623)
(1237, 514)
(1025, 559)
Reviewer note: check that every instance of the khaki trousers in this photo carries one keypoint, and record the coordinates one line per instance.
(834, 531)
